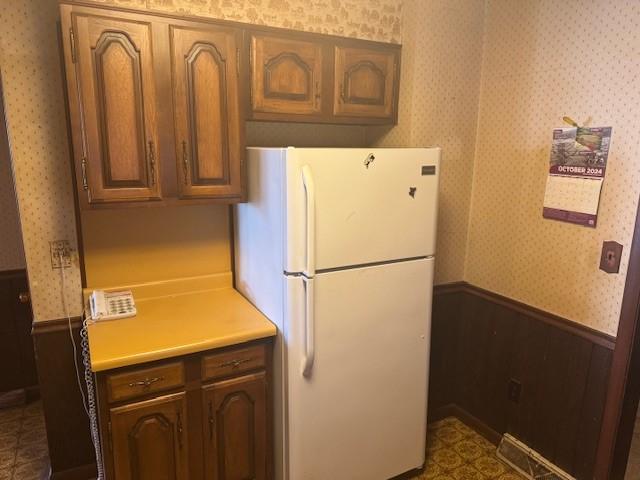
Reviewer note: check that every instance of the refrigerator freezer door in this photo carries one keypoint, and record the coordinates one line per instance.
(361, 412)
(371, 205)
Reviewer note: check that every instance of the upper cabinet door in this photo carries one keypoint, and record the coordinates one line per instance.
(286, 75)
(115, 76)
(208, 125)
(365, 82)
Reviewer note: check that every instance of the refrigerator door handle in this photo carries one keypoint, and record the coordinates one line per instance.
(309, 187)
(309, 315)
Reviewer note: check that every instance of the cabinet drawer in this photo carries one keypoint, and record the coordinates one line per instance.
(233, 361)
(140, 382)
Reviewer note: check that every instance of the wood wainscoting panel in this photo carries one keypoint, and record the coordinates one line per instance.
(70, 449)
(480, 341)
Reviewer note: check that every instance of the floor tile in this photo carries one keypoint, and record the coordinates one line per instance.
(510, 476)
(490, 467)
(450, 434)
(35, 436)
(468, 450)
(457, 452)
(23, 443)
(33, 409)
(35, 470)
(467, 472)
(10, 414)
(9, 441)
(7, 458)
(29, 453)
(32, 423)
(11, 427)
(448, 459)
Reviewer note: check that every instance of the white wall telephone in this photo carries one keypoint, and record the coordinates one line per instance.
(111, 305)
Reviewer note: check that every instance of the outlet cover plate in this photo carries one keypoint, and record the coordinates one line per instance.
(611, 256)
(58, 247)
(514, 390)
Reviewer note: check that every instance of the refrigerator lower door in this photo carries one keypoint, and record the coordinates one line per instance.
(361, 411)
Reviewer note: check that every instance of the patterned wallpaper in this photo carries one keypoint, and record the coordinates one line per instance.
(11, 251)
(33, 88)
(441, 60)
(35, 111)
(545, 59)
(536, 67)
(368, 19)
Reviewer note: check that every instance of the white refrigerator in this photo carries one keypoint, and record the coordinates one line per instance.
(336, 247)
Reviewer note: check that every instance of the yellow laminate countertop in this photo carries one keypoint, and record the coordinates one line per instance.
(172, 325)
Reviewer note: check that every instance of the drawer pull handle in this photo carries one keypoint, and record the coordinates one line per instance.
(235, 363)
(146, 383)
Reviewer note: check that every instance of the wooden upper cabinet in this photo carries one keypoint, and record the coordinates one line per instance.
(116, 86)
(365, 82)
(149, 440)
(286, 75)
(236, 439)
(208, 123)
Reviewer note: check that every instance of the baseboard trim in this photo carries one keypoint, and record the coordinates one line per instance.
(79, 473)
(18, 272)
(594, 336)
(453, 410)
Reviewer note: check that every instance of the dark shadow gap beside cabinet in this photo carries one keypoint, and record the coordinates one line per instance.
(16, 346)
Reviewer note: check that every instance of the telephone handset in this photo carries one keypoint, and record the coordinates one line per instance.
(111, 305)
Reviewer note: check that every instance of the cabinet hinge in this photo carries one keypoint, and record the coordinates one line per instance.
(110, 437)
(83, 166)
(238, 61)
(72, 41)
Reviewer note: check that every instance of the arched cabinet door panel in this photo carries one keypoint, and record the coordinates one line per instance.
(365, 82)
(208, 125)
(149, 439)
(116, 90)
(286, 75)
(236, 428)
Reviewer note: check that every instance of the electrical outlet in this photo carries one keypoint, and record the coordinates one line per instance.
(60, 247)
(610, 257)
(514, 390)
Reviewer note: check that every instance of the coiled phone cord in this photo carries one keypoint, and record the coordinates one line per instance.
(91, 398)
(88, 402)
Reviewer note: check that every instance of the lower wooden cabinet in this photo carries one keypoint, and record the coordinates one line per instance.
(237, 419)
(149, 440)
(192, 427)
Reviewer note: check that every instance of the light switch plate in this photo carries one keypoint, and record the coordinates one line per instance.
(611, 256)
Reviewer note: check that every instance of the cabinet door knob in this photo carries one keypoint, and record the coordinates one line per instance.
(24, 297)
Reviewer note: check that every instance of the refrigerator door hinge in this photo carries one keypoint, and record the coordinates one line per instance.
(72, 42)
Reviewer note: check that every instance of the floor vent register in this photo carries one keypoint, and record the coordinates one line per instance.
(528, 462)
